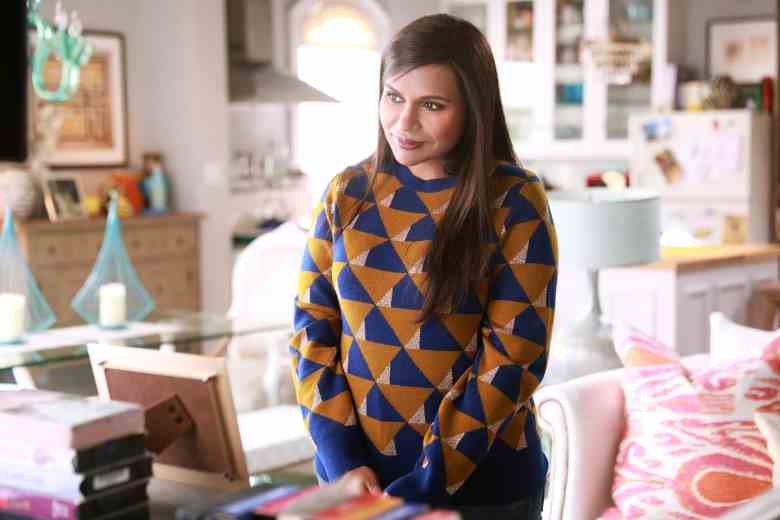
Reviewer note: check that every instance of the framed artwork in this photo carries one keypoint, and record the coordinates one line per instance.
(743, 48)
(64, 198)
(94, 121)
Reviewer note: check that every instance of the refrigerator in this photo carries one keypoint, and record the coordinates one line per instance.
(713, 172)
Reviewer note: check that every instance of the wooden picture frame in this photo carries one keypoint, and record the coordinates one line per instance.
(94, 130)
(212, 455)
(63, 197)
(745, 49)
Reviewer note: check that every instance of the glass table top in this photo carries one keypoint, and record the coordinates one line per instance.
(174, 328)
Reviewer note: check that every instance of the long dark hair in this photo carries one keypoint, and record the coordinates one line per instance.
(459, 256)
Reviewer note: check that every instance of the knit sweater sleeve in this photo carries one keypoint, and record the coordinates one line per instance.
(318, 374)
(492, 399)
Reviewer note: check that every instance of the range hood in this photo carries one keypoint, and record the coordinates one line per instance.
(253, 77)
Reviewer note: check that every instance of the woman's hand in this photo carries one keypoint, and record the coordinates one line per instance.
(361, 480)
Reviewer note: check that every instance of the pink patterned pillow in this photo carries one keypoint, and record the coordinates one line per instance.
(691, 449)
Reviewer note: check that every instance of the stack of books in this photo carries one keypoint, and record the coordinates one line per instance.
(312, 502)
(68, 457)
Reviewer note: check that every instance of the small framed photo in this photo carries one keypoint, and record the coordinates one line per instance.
(744, 49)
(64, 198)
(94, 126)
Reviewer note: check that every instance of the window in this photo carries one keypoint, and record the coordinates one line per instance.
(336, 48)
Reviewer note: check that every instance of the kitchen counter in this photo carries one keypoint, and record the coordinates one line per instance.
(700, 257)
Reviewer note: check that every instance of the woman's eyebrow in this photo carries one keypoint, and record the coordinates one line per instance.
(429, 97)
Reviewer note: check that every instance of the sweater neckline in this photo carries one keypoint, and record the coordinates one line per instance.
(410, 180)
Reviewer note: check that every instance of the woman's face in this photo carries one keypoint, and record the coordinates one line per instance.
(422, 113)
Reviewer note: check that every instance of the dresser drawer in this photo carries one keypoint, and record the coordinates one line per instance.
(57, 248)
(161, 243)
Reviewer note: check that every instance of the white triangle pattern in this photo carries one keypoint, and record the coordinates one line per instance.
(387, 300)
(384, 377)
(495, 426)
(488, 377)
(361, 258)
(520, 258)
(541, 300)
(417, 267)
(361, 332)
(316, 398)
(401, 237)
(387, 201)
(442, 208)
(446, 383)
(453, 441)
(414, 343)
(472, 346)
(390, 449)
(502, 198)
(363, 408)
(351, 420)
(419, 416)
(455, 487)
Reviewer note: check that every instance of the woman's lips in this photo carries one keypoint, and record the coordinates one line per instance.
(407, 144)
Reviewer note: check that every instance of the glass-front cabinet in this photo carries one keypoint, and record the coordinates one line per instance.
(566, 88)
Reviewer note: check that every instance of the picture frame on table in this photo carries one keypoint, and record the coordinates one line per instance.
(63, 197)
(94, 131)
(745, 49)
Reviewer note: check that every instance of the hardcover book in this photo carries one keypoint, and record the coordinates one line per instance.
(61, 420)
(66, 460)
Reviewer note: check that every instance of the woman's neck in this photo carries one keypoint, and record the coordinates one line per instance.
(429, 170)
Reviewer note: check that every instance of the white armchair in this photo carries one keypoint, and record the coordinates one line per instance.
(585, 419)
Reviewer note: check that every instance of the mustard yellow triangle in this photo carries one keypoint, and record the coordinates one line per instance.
(357, 242)
(523, 351)
(355, 312)
(499, 218)
(533, 278)
(434, 364)
(377, 355)
(305, 280)
(375, 281)
(406, 400)
(518, 238)
(528, 385)
(504, 311)
(435, 200)
(338, 408)
(380, 432)
(534, 193)
(457, 465)
(308, 387)
(320, 354)
(513, 433)
(499, 405)
(454, 422)
(422, 429)
(411, 253)
(463, 326)
(320, 252)
(386, 185)
(402, 321)
(359, 388)
(396, 220)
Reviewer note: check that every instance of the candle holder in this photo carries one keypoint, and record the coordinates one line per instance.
(23, 308)
(113, 295)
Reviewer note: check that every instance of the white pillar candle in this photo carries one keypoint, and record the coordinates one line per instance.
(113, 305)
(12, 311)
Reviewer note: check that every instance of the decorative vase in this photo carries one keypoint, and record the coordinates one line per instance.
(723, 93)
(20, 192)
(113, 293)
(23, 308)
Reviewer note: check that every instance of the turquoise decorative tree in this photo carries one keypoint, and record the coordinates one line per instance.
(23, 308)
(113, 294)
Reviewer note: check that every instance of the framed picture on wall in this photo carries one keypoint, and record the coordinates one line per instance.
(743, 48)
(94, 120)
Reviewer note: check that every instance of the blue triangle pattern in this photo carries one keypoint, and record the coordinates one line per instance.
(301, 318)
(406, 295)
(505, 286)
(385, 258)
(321, 292)
(522, 210)
(322, 227)
(539, 366)
(508, 379)
(423, 229)
(407, 200)
(378, 330)
(306, 367)
(432, 405)
(472, 406)
(379, 408)
(339, 251)
(474, 444)
(529, 325)
(470, 305)
(551, 290)
(370, 221)
(404, 372)
(461, 365)
(330, 387)
(497, 343)
(351, 288)
(356, 364)
(307, 264)
(435, 336)
(540, 247)
(321, 332)
(358, 186)
(345, 328)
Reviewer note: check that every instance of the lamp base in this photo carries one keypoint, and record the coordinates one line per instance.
(582, 348)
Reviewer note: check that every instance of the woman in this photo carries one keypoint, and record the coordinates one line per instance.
(427, 291)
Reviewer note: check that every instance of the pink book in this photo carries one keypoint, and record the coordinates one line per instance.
(55, 419)
(438, 514)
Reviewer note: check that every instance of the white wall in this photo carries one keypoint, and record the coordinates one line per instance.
(177, 103)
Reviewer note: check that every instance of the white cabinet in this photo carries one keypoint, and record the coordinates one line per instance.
(558, 106)
(672, 302)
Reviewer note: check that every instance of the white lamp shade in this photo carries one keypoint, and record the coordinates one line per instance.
(599, 227)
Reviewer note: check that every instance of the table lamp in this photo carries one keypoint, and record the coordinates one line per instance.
(598, 228)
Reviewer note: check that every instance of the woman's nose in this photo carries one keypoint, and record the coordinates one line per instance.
(408, 119)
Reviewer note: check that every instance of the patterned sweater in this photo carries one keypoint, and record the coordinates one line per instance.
(442, 409)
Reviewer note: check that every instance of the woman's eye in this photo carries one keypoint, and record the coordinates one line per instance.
(432, 105)
(393, 97)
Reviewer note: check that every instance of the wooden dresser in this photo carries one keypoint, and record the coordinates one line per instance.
(165, 251)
